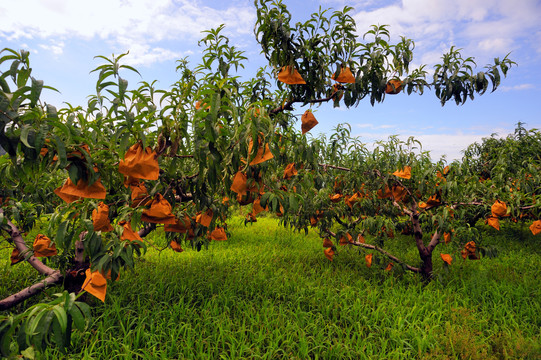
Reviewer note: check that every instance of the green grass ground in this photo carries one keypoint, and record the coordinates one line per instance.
(269, 293)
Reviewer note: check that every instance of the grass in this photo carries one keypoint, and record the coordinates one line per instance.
(269, 293)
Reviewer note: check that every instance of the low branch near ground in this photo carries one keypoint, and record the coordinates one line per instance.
(380, 250)
(55, 278)
(18, 240)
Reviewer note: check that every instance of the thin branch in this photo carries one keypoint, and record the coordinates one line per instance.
(147, 229)
(380, 250)
(325, 166)
(338, 220)
(18, 240)
(434, 241)
(288, 104)
(474, 203)
(404, 209)
(53, 279)
(181, 156)
(53, 276)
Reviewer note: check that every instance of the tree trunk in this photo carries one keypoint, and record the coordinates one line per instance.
(76, 276)
(424, 252)
(426, 267)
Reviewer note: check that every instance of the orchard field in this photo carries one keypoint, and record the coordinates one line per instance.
(205, 219)
(267, 293)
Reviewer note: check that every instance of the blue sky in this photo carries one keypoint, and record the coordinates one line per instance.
(64, 36)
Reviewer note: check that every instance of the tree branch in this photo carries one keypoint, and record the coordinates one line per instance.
(53, 279)
(288, 104)
(18, 240)
(418, 233)
(434, 241)
(325, 166)
(380, 250)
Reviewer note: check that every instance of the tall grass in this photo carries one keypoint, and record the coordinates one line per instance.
(269, 293)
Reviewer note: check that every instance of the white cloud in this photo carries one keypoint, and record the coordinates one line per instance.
(153, 19)
(486, 28)
(517, 87)
(57, 48)
(449, 144)
(145, 54)
(141, 23)
(374, 127)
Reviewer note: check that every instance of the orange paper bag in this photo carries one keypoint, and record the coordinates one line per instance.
(128, 233)
(393, 87)
(290, 171)
(176, 246)
(205, 218)
(140, 163)
(329, 253)
(290, 76)
(15, 257)
(95, 284)
(263, 154)
(159, 212)
(405, 173)
(100, 218)
(43, 248)
(139, 194)
(368, 259)
(180, 226)
(327, 243)
(70, 192)
(218, 234)
(345, 76)
(308, 121)
(446, 258)
(499, 209)
(535, 228)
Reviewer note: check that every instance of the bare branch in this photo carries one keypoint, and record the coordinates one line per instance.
(181, 156)
(325, 166)
(18, 240)
(53, 279)
(289, 104)
(474, 203)
(434, 241)
(53, 276)
(380, 250)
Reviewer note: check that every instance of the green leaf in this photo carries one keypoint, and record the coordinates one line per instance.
(69, 300)
(61, 315)
(29, 353)
(24, 135)
(58, 334)
(38, 327)
(78, 318)
(61, 235)
(7, 328)
(37, 86)
(73, 172)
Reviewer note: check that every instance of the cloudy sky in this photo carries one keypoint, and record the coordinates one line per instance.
(64, 36)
